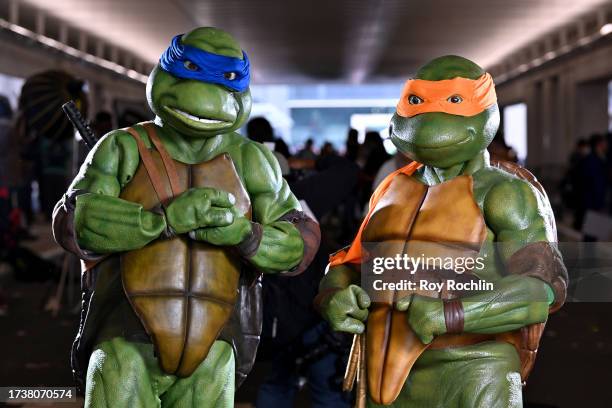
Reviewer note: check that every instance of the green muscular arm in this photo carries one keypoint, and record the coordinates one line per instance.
(103, 222)
(514, 212)
(280, 246)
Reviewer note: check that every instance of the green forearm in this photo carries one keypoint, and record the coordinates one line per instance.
(105, 224)
(515, 302)
(281, 248)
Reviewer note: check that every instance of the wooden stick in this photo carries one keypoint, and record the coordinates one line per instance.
(361, 398)
(353, 364)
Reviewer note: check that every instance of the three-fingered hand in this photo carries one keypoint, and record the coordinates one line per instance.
(200, 208)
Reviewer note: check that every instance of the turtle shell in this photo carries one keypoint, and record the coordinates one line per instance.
(182, 290)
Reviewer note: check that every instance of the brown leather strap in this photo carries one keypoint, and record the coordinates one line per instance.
(249, 246)
(149, 164)
(171, 172)
(542, 260)
(88, 265)
(460, 340)
(311, 236)
(453, 316)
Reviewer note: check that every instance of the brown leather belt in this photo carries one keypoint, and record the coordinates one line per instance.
(468, 339)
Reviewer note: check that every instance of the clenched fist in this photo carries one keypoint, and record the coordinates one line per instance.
(228, 235)
(199, 208)
(347, 309)
(425, 316)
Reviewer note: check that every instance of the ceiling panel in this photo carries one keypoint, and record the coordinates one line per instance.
(327, 40)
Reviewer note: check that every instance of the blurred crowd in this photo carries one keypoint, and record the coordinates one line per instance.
(334, 186)
(586, 184)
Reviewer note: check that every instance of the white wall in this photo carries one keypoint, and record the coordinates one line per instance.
(566, 99)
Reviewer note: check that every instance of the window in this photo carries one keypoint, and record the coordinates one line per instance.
(515, 129)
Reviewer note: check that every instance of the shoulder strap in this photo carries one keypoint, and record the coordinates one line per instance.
(149, 164)
(171, 172)
(353, 254)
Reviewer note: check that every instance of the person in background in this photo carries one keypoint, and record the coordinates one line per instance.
(350, 211)
(594, 176)
(500, 151)
(9, 179)
(16, 202)
(9, 148)
(374, 156)
(16, 261)
(303, 349)
(352, 145)
(581, 150)
(259, 130)
(281, 147)
(307, 152)
(129, 116)
(19, 149)
(608, 138)
(53, 172)
(102, 123)
(327, 150)
(572, 187)
(396, 162)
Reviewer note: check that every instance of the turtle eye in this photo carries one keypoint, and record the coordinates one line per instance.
(230, 76)
(414, 100)
(455, 99)
(191, 66)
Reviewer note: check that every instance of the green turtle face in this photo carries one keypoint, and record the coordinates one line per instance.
(196, 108)
(440, 139)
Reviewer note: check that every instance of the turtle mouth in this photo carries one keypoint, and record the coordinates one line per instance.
(452, 143)
(198, 122)
(435, 146)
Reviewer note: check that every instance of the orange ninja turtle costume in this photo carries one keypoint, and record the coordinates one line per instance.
(426, 348)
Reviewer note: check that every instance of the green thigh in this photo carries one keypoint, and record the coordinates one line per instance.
(124, 374)
(481, 376)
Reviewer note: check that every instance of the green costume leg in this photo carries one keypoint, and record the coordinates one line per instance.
(211, 384)
(481, 376)
(124, 374)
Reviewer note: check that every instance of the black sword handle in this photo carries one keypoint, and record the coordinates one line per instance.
(80, 124)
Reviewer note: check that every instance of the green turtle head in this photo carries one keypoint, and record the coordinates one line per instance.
(196, 108)
(441, 139)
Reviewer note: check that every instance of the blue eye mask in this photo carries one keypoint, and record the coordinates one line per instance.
(187, 62)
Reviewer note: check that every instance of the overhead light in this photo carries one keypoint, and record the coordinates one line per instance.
(584, 41)
(605, 29)
(536, 62)
(550, 55)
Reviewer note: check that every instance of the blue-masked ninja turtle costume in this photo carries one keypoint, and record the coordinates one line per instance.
(175, 219)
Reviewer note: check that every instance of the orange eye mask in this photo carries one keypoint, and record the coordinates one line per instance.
(457, 96)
